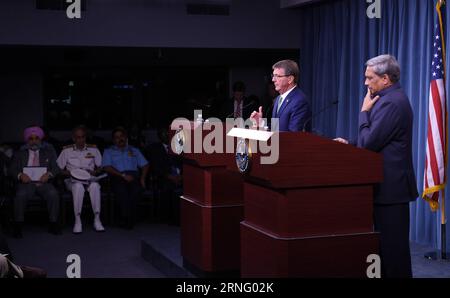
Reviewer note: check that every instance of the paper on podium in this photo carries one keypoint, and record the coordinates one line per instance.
(258, 135)
(35, 173)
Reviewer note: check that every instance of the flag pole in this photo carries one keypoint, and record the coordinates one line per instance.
(443, 228)
(443, 212)
(443, 250)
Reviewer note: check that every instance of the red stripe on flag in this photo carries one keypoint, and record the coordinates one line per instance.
(426, 172)
(433, 162)
(438, 109)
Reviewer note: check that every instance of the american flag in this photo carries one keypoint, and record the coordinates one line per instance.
(436, 160)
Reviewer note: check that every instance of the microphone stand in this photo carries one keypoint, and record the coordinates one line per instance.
(318, 113)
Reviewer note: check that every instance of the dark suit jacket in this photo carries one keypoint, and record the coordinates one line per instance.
(387, 129)
(161, 162)
(47, 158)
(294, 112)
(227, 110)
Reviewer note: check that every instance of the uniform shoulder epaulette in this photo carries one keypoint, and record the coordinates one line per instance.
(68, 146)
(91, 146)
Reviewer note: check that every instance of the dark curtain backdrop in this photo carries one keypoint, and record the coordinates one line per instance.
(337, 39)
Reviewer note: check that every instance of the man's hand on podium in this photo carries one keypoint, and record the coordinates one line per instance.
(341, 140)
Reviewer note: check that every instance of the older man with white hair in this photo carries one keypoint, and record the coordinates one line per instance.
(86, 157)
(385, 127)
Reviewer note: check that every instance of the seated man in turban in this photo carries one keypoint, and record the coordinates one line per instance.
(34, 157)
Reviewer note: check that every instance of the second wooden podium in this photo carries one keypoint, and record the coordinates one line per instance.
(311, 213)
(211, 210)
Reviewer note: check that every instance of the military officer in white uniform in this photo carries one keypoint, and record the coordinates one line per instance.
(86, 157)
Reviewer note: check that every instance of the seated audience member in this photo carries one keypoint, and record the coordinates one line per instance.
(7, 268)
(4, 163)
(85, 157)
(4, 268)
(7, 150)
(4, 190)
(166, 168)
(36, 158)
(4, 248)
(122, 162)
(10, 270)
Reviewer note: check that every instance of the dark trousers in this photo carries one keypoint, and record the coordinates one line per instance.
(25, 192)
(392, 221)
(169, 201)
(127, 196)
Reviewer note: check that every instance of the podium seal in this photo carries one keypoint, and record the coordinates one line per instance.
(179, 141)
(243, 156)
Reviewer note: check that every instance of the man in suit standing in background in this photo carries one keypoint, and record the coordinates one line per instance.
(35, 154)
(166, 170)
(239, 106)
(291, 108)
(385, 126)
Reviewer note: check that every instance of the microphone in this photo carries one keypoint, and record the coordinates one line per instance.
(320, 112)
(243, 108)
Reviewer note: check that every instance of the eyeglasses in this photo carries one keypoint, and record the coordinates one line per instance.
(279, 76)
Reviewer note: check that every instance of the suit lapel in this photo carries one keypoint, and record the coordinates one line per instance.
(42, 157)
(25, 157)
(286, 102)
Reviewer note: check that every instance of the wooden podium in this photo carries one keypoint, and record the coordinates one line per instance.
(211, 210)
(310, 214)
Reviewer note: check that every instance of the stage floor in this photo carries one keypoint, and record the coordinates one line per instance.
(148, 251)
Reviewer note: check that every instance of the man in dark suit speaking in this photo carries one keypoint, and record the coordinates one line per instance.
(385, 126)
(291, 108)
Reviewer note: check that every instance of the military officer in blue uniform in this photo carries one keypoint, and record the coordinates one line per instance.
(128, 170)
